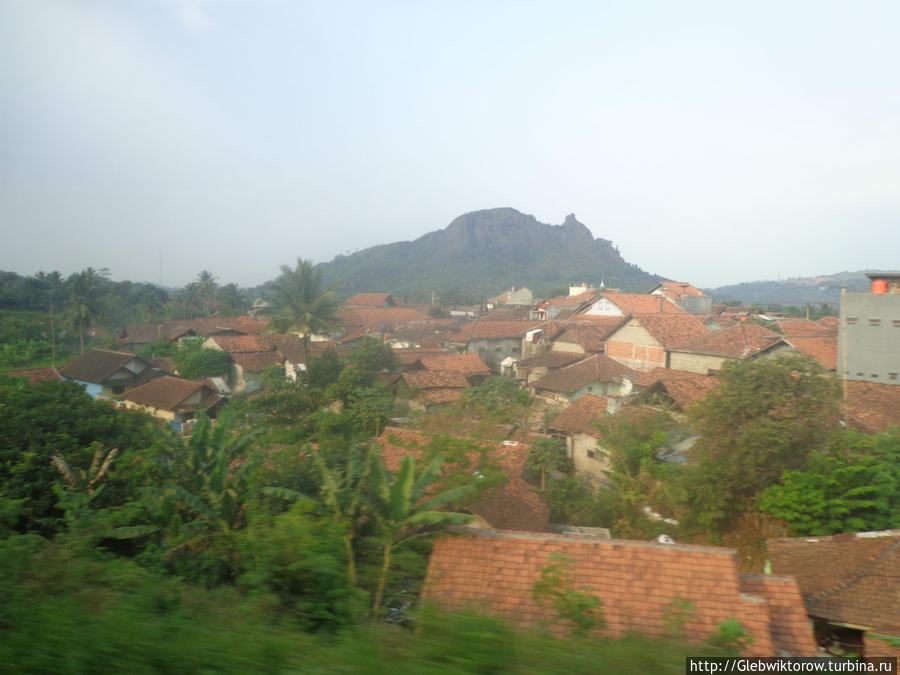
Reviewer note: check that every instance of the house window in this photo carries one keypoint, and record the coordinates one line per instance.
(592, 454)
(892, 376)
(851, 321)
(896, 323)
(874, 376)
(874, 322)
(590, 387)
(860, 374)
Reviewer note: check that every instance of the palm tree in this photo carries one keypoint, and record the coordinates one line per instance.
(230, 300)
(84, 305)
(206, 288)
(301, 305)
(400, 505)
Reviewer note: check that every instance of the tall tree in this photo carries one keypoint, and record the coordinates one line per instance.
(230, 300)
(206, 289)
(301, 305)
(765, 417)
(84, 304)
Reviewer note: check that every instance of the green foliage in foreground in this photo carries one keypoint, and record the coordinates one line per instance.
(63, 611)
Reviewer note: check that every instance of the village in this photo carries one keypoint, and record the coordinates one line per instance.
(581, 359)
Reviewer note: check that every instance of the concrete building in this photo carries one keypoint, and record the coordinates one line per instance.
(869, 334)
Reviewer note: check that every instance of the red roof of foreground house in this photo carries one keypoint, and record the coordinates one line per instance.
(872, 407)
(515, 505)
(670, 330)
(581, 416)
(846, 578)
(637, 582)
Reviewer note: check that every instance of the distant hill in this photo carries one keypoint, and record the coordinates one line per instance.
(799, 292)
(481, 254)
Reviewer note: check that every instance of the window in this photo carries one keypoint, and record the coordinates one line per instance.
(874, 322)
(592, 454)
(874, 376)
(851, 320)
(892, 376)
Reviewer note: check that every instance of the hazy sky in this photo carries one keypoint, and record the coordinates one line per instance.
(713, 142)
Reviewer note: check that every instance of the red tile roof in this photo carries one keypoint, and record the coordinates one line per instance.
(686, 391)
(236, 344)
(491, 330)
(596, 368)
(408, 357)
(370, 300)
(637, 582)
(831, 322)
(468, 364)
(580, 417)
(166, 393)
(871, 406)
(847, 578)
(355, 317)
(436, 379)
(550, 360)
(657, 374)
(671, 330)
(676, 290)
(638, 303)
(801, 327)
(256, 362)
(591, 337)
(98, 365)
(822, 349)
(789, 626)
(741, 340)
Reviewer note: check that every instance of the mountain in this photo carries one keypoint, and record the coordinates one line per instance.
(798, 292)
(481, 254)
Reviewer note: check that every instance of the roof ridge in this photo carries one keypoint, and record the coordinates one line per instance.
(815, 600)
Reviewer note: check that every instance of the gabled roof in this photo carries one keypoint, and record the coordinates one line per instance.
(676, 290)
(742, 340)
(371, 300)
(514, 505)
(254, 362)
(671, 329)
(572, 301)
(468, 364)
(98, 365)
(801, 327)
(649, 379)
(822, 349)
(550, 360)
(517, 313)
(491, 330)
(596, 368)
(413, 331)
(580, 417)
(237, 344)
(637, 582)
(871, 406)
(830, 322)
(408, 357)
(686, 391)
(168, 393)
(847, 578)
(642, 303)
(354, 317)
(591, 337)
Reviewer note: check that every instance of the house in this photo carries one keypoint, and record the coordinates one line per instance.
(850, 587)
(578, 425)
(469, 365)
(412, 334)
(174, 400)
(623, 304)
(868, 344)
(493, 341)
(552, 308)
(822, 348)
(586, 338)
(105, 373)
(522, 297)
(678, 393)
(639, 584)
(512, 505)
(597, 374)
(371, 300)
(710, 351)
(535, 367)
(436, 387)
(135, 337)
(645, 341)
(690, 299)
(357, 322)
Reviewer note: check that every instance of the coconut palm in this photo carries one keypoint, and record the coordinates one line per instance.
(206, 289)
(301, 306)
(84, 305)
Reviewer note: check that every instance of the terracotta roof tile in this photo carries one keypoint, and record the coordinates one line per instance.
(236, 344)
(166, 393)
(550, 360)
(686, 391)
(37, 375)
(370, 300)
(591, 337)
(596, 368)
(468, 364)
(801, 327)
(848, 578)
(355, 317)
(408, 357)
(256, 362)
(676, 290)
(636, 581)
(436, 379)
(487, 330)
(98, 365)
(671, 330)
(790, 629)
(643, 303)
(580, 417)
(822, 349)
(871, 406)
(657, 374)
(741, 340)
